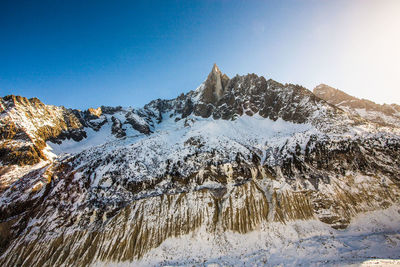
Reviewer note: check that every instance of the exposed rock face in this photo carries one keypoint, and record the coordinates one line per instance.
(214, 86)
(222, 98)
(96, 113)
(26, 124)
(110, 110)
(116, 128)
(383, 114)
(137, 123)
(235, 155)
(252, 94)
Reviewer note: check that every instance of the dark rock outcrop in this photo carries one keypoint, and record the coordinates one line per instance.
(116, 128)
(137, 123)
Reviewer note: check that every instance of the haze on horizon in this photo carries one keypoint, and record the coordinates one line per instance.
(84, 54)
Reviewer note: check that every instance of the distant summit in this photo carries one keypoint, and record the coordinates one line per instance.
(383, 114)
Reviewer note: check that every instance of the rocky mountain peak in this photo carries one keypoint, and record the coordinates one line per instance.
(216, 69)
(11, 101)
(387, 115)
(214, 86)
(95, 111)
(332, 95)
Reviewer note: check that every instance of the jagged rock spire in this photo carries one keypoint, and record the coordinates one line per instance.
(214, 86)
(215, 69)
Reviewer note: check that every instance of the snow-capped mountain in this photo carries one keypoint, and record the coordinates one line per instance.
(385, 114)
(228, 173)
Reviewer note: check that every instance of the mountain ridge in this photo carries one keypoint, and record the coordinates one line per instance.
(235, 155)
(384, 114)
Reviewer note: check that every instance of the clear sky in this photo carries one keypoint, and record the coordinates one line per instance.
(84, 54)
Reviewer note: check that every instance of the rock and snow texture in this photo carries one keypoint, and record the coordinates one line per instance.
(382, 114)
(373, 235)
(241, 171)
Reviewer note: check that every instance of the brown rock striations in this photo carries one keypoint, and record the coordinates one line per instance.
(49, 234)
(25, 126)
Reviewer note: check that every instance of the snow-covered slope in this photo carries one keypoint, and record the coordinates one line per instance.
(235, 170)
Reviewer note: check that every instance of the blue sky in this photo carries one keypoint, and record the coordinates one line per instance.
(84, 54)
